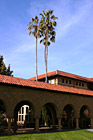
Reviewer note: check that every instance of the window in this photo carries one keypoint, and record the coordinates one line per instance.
(62, 80)
(82, 84)
(69, 81)
(19, 117)
(22, 110)
(56, 81)
(22, 117)
(66, 81)
(77, 83)
(48, 81)
(53, 81)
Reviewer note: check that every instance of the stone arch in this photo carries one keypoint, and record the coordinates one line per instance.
(21, 103)
(71, 105)
(50, 119)
(56, 107)
(30, 111)
(84, 120)
(68, 116)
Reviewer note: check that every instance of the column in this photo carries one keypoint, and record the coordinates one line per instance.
(15, 126)
(59, 124)
(36, 124)
(9, 125)
(77, 123)
(91, 122)
(53, 123)
(77, 118)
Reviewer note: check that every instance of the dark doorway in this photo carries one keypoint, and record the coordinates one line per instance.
(68, 117)
(84, 121)
(48, 118)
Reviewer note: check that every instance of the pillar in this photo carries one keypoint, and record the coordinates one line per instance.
(15, 127)
(59, 124)
(91, 119)
(53, 123)
(77, 116)
(77, 123)
(36, 124)
(9, 125)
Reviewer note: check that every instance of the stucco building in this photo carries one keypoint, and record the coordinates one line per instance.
(67, 97)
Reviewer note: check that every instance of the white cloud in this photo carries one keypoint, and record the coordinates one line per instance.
(25, 48)
(65, 24)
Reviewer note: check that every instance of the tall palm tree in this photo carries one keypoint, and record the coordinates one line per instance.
(47, 29)
(33, 27)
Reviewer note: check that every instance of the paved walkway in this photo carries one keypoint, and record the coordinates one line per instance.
(90, 130)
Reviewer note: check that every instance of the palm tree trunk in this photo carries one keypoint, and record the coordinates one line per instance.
(46, 53)
(36, 61)
(45, 64)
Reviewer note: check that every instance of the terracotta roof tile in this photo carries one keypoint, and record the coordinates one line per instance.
(41, 85)
(61, 73)
(91, 79)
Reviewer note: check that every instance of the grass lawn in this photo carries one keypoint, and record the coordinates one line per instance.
(69, 135)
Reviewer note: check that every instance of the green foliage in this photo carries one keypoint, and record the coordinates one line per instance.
(3, 69)
(45, 115)
(2, 114)
(44, 29)
(47, 26)
(33, 27)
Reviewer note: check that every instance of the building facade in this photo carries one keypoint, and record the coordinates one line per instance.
(67, 97)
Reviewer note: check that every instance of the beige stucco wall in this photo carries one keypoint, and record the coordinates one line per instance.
(12, 95)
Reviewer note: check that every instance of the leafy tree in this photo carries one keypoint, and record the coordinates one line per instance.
(45, 116)
(2, 116)
(33, 27)
(3, 69)
(47, 29)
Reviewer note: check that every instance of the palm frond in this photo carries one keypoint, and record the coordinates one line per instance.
(30, 33)
(54, 23)
(50, 12)
(52, 39)
(34, 34)
(48, 43)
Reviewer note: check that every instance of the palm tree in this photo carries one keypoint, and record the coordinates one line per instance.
(33, 27)
(47, 31)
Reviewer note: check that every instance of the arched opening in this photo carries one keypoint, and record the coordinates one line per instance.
(68, 117)
(23, 116)
(3, 117)
(84, 121)
(48, 118)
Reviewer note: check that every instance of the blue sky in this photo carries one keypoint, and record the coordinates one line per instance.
(73, 50)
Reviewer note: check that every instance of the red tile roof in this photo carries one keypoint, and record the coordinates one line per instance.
(41, 85)
(91, 79)
(61, 73)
